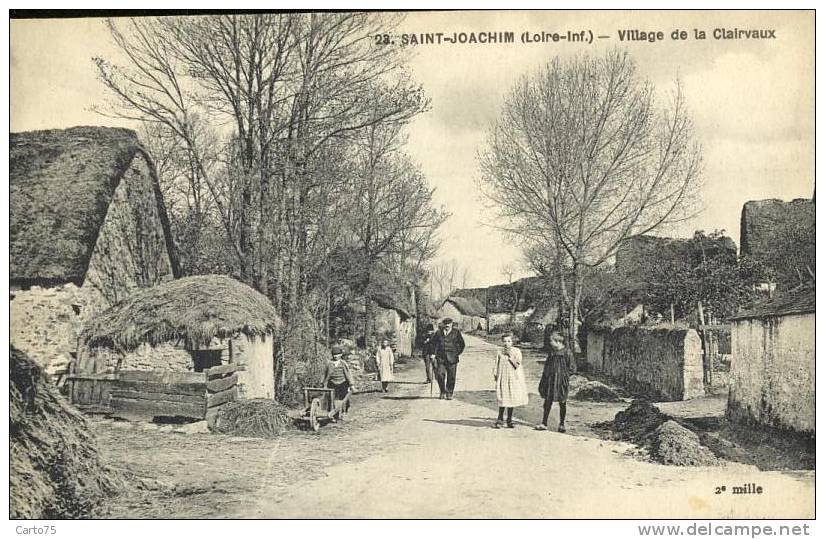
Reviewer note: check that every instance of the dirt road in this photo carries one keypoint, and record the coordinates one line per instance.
(443, 460)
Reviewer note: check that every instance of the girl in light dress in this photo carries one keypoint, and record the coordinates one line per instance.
(386, 361)
(508, 373)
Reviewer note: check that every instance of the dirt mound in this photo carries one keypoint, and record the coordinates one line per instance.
(256, 418)
(637, 422)
(55, 467)
(596, 392)
(665, 440)
(675, 445)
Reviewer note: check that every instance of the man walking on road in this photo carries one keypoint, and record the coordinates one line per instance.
(448, 344)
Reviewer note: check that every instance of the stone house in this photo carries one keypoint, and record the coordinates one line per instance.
(772, 371)
(87, 227)
(187, 325)
(395, 314)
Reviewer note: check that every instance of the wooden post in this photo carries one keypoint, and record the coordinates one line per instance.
(672, 315)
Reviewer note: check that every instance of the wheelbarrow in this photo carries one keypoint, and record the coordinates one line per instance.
(318, 403)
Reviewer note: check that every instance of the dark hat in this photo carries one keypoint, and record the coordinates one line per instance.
(446, 321)
(429, 327)
(337, 350)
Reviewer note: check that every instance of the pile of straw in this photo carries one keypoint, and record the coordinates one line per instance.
(256, 418)
(55, 468)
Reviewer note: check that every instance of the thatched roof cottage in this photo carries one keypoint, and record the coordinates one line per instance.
(190, 324)
(467, 313)
(87, 227)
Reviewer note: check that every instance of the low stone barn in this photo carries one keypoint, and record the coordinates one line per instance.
(187, 325)
(467, 313)
(773, 362)
(87, 227)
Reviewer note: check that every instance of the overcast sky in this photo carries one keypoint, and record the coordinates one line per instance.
(752, 102)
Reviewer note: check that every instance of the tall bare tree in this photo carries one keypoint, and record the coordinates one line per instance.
(581, 158)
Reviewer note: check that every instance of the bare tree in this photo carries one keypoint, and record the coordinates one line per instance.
(581, 159)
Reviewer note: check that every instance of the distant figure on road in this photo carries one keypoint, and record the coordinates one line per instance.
(508, 373)
(555, 380)
(338, 378)
(428, 352)
(386, 361)
(448, 344)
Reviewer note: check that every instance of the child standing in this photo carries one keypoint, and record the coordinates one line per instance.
(508, 373)
(385, 360)
(338, 378)
(555, 379)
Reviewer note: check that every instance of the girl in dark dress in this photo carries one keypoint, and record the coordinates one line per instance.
(555, 380)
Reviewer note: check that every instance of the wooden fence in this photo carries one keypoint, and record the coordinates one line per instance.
(150, 394)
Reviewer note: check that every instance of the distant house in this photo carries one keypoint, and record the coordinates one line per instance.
(546, 314)
(772, 368)
(512, 303)
(466, 313)
(396, 315)
(87, 227)
(188, 325)
(767, 229)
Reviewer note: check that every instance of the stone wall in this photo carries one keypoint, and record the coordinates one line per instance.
(772, 372)
(46, 323)
(257, 381)
(171, 357)
(661, 363)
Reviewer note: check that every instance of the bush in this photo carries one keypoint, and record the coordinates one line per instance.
(302, 360)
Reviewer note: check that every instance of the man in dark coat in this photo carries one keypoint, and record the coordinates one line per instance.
(448, 344)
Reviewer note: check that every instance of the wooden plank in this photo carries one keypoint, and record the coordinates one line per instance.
(102, 376)
(148, 408)
(221, 384)
(171, 388)
(223, 370)
(143, 395)
(162, 377)
(223, 397)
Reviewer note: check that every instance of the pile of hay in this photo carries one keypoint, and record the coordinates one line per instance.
(665, 440)
(596, 392)
(675, 445)
(256, 418)
(196, 309)
(55, 468)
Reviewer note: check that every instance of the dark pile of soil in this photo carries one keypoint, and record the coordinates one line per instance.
(675, 445)
(255, 418)
(55, 467)
(637, 422)
(596, 392)
(665, 440)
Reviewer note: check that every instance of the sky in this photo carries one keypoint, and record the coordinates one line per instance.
(752, 103)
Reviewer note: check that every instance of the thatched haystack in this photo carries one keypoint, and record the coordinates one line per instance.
(192, 309)
(55, 468)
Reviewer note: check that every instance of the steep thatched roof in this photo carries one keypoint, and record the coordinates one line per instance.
(195, 309)
(60, 185)
(467, 306)
(801, 300)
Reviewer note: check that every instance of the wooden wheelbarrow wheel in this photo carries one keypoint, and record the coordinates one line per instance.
(315, 411)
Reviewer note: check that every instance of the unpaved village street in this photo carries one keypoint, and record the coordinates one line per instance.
(429, 458)
(448, 462)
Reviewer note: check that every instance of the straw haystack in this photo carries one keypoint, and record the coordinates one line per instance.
(190, 324)
(55, 468)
